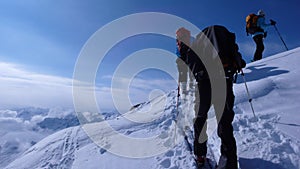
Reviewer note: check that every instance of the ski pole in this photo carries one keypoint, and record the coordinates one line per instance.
(178, 95)
(177, 112)
(250, 99)
(280, 37)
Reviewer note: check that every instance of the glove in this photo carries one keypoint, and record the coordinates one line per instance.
(240, 62)
(241, 65)
(272, 22)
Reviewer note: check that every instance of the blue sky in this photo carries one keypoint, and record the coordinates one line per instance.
(47, 36)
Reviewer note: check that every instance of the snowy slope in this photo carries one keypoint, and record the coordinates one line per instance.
(271, 141)
(72, 148)
(275, 86)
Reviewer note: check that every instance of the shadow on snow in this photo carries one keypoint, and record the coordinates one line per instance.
(258, 164)
(260, 72)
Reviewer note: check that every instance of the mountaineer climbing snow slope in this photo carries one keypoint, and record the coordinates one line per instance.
(272, 141)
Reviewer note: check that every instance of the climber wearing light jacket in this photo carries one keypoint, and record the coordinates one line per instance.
(260, 35)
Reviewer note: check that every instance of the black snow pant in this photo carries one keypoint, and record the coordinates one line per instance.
(258, 39)
(225, 129)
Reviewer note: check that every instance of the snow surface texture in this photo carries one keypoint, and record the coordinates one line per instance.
(21, 128)
(271, 141)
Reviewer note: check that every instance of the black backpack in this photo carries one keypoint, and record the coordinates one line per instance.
(224, 43)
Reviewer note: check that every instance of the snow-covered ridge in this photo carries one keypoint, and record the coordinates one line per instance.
(22, 128)
(272, 141)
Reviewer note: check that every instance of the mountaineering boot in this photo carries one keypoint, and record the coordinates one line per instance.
(200, 161)
(224, 163)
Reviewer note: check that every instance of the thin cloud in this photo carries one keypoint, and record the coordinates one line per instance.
(24, 88)
(20, 87)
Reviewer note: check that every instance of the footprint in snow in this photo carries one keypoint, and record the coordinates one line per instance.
(104, 149)
(262, 136)
(166, 163)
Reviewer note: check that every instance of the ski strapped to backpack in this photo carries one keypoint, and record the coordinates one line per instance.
(251, 24)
